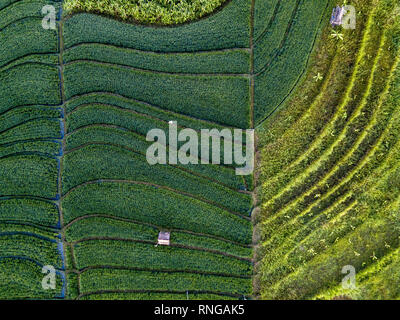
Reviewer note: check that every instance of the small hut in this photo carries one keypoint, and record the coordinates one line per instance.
(163, 238)
(337, 16)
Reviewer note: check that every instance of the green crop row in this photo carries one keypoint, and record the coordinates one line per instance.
(33, 129)
(25, 246)
(224, 99)
(290, 61)
(88, 115)
(145, 109)
(127, 139)
(31, 84)
(29, 211)
(17, 116)
(26, 37)
(213, 33)
(108, 162)
(365, 168)
(371, 280)
(22, 279)
(365, 245)
(112, 228)
(29, 175)
(39, 58)
(231, 62)
(358, 214)
(105, 114)
(129, 254)
(153, 205)
(7, 228)
(109, 279)
(154, 296)
(347, 214)
(263, 15)
(269, 43)
(5, 3)
(51, 148)
(186, 239)
(23, 9)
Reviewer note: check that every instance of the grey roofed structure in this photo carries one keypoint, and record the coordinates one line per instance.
(164, 238)
(337, 16)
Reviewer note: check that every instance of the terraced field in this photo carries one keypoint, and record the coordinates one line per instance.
(77, 193)
(329, 168)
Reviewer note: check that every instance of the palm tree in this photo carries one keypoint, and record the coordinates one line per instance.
(318, 77)
(337, 35)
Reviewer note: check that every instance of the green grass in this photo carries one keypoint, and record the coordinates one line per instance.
(329, 169)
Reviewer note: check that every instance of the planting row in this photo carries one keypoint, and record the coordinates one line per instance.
(108, 134)
(128, 254)
(112, 163)
(149, 204)
(124, 280)
(210, 98)
(100, 226)
(236, 61)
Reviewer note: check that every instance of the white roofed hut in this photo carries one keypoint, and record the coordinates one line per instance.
(163, 238)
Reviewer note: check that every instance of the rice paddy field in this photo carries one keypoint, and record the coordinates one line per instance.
(76, 190)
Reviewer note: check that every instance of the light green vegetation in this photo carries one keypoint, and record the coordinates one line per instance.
(161, 12)
(329, 168)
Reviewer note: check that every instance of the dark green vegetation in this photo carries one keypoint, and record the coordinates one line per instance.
(161, 12)
(30, 143)
(114, 203)
(330, 169)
